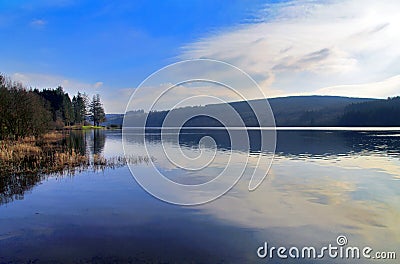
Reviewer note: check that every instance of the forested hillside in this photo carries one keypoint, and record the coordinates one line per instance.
(291, 111)
(375, 113)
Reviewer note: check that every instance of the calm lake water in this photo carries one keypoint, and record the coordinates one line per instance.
(322, 184)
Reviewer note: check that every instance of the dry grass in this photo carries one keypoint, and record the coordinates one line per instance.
(35, 156)
(17, 151)
(70, 159)
(30, 155)
(52, 137)
(26, 162)
(48, 155)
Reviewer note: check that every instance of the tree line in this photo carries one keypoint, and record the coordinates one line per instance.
(32, 112)
(287, 112)
(375, 113)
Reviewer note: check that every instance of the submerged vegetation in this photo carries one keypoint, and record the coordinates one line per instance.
(45, 155)
(58, 153)
(26, 162)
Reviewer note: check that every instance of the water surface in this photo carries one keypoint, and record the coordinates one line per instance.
(321, 184)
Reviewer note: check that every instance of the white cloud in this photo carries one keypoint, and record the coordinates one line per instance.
(38, 23)
(168, 96)
(304, 46)
(115, 101)
(386, 88)
(301, 47)
(197, 78)
(41, 81)
(98, 84)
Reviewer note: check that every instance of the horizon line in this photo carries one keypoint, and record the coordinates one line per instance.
(275, 128)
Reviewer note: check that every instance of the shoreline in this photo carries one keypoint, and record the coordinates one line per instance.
(55, 152)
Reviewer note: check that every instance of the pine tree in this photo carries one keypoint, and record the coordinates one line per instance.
(96, 109)
(80, 107)
(60, 105)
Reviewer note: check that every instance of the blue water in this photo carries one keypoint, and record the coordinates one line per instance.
(321, 184)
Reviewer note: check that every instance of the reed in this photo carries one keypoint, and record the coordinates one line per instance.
(28, 161)
(49, 154)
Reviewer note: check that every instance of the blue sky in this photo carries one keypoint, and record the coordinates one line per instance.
(118, 42)
(290, 48)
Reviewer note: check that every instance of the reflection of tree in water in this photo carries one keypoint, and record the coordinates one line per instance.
(97, 141)
(297, 142)
(13, 187)
(84, 141)
(77, 141)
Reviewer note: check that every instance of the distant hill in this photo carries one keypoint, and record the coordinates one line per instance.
(113, 119)
(312, 110)
(289, 111)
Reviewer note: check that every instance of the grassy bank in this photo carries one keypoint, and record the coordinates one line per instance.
(92, 127)
(83, 127)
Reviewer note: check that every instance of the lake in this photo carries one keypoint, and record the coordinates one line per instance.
(322, 184)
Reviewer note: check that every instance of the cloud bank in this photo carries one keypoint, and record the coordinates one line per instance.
(345, 48)
(41, 81)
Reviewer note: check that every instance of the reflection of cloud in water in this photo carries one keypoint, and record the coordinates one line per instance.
(311, 197)
(377, 163)
(298, 195)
